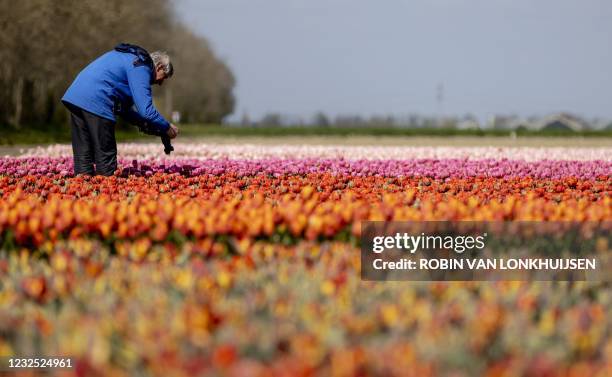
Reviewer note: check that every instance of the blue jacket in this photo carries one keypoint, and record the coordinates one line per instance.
(113, 84)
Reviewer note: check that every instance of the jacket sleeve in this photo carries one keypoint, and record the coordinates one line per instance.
(132, 117)
(138, 79)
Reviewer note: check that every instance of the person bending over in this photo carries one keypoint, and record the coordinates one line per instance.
(116, 83)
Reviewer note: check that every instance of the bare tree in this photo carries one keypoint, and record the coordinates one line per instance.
(44, 44)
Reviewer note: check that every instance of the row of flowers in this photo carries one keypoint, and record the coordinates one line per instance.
(434, 168)
(32, 221)
(300, 310)
(258, 151)
(328, 186)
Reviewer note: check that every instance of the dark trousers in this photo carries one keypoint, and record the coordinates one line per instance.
(93, 141)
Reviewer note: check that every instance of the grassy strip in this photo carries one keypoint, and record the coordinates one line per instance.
(208, 130)
(62, 134)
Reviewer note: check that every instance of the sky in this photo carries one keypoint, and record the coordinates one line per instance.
(399, 57)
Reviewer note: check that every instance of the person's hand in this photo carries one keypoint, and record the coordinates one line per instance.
(172, 131)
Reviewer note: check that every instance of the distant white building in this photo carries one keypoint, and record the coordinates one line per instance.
(502, 122)
(468, 124)
(562, 122)
(600, 124)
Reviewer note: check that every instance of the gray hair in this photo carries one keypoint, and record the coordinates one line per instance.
(161, 58)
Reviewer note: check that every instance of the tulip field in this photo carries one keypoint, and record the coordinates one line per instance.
(244, 260)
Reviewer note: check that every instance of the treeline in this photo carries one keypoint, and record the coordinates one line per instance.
(414, 121)
(355, 121)
(44, 44)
